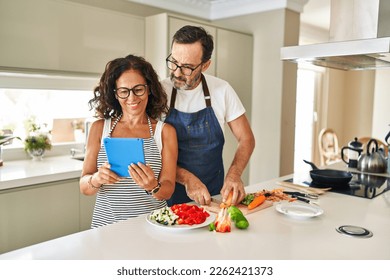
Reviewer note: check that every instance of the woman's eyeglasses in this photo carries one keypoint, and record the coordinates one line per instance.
(124, 92)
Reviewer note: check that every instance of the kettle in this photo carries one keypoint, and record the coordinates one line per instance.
(372, 162)
(355, 148)
(387, 140)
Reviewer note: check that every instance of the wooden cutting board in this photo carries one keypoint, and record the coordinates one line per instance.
(214, 207)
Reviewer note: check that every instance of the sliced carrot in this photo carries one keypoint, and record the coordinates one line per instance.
(228, 201)
(258, 200)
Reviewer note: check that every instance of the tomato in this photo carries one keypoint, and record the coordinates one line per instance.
(189, 214)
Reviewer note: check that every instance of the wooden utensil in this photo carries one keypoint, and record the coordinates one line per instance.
(303, 188)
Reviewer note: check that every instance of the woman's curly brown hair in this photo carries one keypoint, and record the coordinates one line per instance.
(104, 101)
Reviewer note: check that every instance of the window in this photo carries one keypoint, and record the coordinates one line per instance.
(309, 83)
(58, 103)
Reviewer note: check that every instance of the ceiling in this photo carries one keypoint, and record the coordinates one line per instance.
(313, 12)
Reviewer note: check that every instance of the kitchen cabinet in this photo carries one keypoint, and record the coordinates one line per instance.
(65, 36)
(37, 213)
(231, 60)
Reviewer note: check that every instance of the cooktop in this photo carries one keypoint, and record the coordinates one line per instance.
(361, 185)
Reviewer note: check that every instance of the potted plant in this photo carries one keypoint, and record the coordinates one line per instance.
(37, 141)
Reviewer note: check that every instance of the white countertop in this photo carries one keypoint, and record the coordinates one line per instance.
(271, 235)
(20, 173)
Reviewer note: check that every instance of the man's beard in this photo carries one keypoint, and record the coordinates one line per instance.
(182, 83)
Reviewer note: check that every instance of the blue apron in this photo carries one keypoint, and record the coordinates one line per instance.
(200, 141)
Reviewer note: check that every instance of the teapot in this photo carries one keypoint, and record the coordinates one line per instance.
(355, 148)
(372, 162)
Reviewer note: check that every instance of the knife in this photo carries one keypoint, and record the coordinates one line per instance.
(300, 194)
(303, 199)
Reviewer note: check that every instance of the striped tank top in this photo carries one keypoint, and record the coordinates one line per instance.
(125, 199)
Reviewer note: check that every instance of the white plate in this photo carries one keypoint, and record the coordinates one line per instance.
(299, 210)
(208, 221)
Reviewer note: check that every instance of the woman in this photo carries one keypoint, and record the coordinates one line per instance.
(128, 101)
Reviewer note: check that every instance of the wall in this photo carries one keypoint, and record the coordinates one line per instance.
(381, 111)
(332, 105)
(358, 104)
(350, 104)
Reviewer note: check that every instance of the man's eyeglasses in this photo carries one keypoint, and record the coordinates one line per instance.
(124, 92)
(185, 70)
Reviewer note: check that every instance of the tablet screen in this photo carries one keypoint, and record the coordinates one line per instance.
(121, 152)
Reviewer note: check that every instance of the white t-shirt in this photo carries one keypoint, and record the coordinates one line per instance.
(224, 100)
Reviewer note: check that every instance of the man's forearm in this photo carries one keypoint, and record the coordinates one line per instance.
(183, 175)
(241, 158)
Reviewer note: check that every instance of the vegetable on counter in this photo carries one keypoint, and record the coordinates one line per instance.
(226, 215)
(228, 201)
(248, 199)
(238, 217)
(189, 214)
(180, 214)
(164, 216)
(222, 222)
(257, 201)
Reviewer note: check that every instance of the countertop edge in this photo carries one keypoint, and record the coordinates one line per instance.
(21, 173)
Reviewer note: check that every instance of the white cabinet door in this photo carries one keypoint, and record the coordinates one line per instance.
(37, 213)
(33, 214)
(87, 204)
(65, 36)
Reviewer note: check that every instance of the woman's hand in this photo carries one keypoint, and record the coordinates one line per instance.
(105, 175)
(143, 175)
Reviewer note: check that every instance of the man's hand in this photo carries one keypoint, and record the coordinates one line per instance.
(233, 183)
(197, 191)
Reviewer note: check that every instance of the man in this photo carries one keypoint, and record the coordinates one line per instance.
(200, 105)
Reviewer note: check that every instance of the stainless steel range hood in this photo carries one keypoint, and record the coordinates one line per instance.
(359, 38)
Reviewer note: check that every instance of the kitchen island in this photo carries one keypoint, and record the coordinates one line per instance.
(271, 235)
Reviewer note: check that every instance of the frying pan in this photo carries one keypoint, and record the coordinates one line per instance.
(329, 177)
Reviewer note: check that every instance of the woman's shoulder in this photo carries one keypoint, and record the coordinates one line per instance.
(167, 128)
(98, 123)
(96, 129)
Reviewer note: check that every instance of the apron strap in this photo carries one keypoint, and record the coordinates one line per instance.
(206, 94)
(173, 98)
